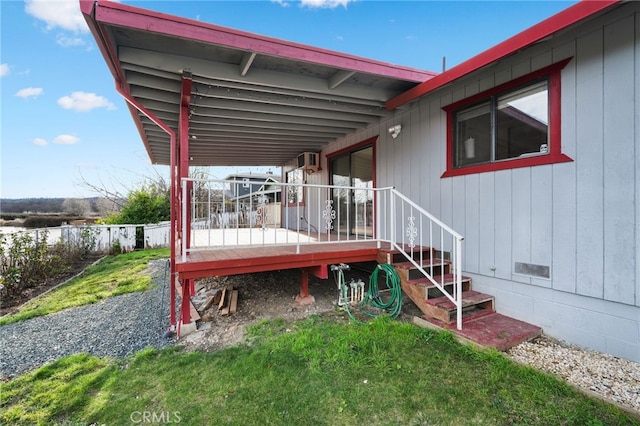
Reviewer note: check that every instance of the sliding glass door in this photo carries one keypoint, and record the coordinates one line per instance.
(354, 206)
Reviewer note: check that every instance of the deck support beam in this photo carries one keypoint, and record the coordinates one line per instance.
(184, 224)
(304, 298)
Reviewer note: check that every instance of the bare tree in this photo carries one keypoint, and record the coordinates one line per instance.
(76, 206)
(104, 206)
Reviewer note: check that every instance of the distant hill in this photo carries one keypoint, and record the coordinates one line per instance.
(77, 206)
(31, 205)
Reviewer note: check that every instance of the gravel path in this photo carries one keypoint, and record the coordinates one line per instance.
(116, 327)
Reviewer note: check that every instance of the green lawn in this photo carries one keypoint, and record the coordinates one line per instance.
(312, 372)
(119, 274)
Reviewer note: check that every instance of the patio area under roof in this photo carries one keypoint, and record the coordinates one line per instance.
(253, 101)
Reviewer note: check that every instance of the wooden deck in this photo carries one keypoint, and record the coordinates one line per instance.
(243, 260)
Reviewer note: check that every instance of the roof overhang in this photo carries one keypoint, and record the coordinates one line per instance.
(253, 100)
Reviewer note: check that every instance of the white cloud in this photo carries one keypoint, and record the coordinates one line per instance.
(29, 92)
(64, 14)
(281, 3)
(4, 70)
(325, 4)
(66, 140)
(40, 142)
(66, 41)
(83, 101)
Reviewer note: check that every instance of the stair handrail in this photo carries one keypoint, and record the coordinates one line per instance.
(456, 297)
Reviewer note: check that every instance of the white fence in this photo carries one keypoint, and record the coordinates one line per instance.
(104, 237)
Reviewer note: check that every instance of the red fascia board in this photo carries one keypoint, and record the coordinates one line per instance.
(549, 26)
(112, 13)
(110, 56)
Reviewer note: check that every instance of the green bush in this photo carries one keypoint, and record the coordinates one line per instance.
(27, 260)
(145, 205)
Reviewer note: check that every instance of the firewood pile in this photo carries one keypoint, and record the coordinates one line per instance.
(225, 299)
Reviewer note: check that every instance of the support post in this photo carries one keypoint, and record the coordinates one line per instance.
(182, 166)
(304, 298)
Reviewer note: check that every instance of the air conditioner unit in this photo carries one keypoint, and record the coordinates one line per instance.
(308, 161)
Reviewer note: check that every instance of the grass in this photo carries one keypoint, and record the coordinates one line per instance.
(314, 371)
(114, 275)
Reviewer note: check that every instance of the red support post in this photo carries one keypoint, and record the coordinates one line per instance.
(304, 298)
(183, 172)
(185, 307)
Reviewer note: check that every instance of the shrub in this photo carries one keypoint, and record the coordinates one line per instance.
(27, 260)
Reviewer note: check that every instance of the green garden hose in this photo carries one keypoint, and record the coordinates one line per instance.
(392, 282)
(393, 306)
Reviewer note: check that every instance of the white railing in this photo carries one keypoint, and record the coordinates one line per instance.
(412, 230)
(302, 214)
(280, 214)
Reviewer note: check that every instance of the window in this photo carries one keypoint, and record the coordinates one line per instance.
(294, 193)
(513, 125)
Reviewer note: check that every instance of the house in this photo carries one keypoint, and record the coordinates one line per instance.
(254, 185)
(530, 150)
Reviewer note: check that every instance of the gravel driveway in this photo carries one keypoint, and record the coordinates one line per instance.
(116, 327)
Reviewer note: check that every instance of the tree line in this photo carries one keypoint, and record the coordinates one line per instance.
(95, 206)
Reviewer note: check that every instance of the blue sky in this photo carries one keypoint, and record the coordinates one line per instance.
(62, 121)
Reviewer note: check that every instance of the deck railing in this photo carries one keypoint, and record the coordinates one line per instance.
(413, 229)
(221, 216)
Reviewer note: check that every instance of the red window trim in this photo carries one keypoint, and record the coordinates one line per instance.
(555, 155)
(355, 147)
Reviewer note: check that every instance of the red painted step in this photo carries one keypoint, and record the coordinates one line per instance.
(493, 330)
(446, 280)
(443, 309)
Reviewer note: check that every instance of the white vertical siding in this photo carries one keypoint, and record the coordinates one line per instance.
(636, 136)
(541, 220)
(581, 219)
(521, 217)
(472, 224)
(486, 223)
(590, 147)
(619, 163)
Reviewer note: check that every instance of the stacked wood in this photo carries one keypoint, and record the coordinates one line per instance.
(228, 303)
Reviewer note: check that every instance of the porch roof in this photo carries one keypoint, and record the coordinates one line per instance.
(254, 100)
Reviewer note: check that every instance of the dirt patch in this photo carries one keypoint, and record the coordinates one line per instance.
(9, 304)
(267, 296)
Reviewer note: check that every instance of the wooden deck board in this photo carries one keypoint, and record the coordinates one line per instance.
(241, 260)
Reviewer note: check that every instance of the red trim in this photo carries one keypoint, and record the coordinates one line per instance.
(188, 285)
(553, 72)
(110, 57)
(183, 136)
(355, 147)
(549, 26)
(199, 269)
(113, 13)
(372, 142)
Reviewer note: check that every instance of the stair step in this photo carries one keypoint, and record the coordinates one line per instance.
(493, 330)
(447, 281)
(444, 309)
(408, 270)
(393, 255)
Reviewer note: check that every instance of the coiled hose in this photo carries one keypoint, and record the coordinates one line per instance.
(393, 306)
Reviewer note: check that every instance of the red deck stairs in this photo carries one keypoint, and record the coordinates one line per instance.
(481, 324)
